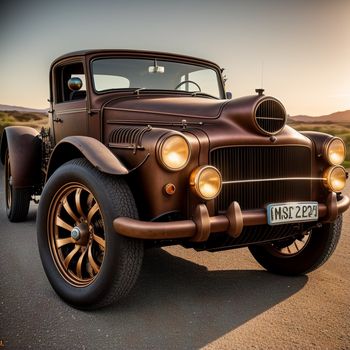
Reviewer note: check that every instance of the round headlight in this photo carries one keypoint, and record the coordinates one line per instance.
(206, 182)
(334, 178)
(174, 152)
(335, 151)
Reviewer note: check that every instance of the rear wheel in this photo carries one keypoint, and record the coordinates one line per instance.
(299, 255)
(17, 199)
(86, 262)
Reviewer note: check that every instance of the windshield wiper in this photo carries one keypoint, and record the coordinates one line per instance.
(137, 91)
(204, 94)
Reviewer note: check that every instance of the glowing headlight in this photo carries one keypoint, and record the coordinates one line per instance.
(174, 152)
(335, 151)
(206, 182)
(334, 178)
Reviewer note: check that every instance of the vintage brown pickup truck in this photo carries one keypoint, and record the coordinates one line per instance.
(147, 149)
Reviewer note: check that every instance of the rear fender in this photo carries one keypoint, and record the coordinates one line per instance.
(24, 147)
(85, 147)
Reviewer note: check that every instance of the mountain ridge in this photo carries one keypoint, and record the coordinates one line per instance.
(11, 108)
(336, 117)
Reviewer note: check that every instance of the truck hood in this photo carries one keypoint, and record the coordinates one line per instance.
(225, 122)
(183, 107)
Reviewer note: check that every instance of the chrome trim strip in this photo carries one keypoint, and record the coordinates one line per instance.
(257, 145)
(183, 115)
(125, 146)
(70, 111)
(269, 118)
(274, 179)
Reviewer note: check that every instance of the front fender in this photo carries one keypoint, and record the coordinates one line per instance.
(93, 150)
(318, 138)
(24, 147)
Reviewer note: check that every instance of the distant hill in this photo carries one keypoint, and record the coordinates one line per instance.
(9, 108)
(338, 117)
(21, 116)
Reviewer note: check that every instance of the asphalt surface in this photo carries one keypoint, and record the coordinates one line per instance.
(182, 300)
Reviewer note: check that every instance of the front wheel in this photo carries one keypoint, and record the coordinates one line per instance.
(86, 262)
(295, 256)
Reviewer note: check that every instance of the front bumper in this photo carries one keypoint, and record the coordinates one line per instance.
(202, 225)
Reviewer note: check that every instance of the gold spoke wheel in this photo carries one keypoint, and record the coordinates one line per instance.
(88, 264)
(299, 254)
(76, 234)
(291, 247)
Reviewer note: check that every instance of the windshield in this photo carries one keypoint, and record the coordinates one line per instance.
(124, 73)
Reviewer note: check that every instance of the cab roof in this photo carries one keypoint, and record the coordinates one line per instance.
(136, 53)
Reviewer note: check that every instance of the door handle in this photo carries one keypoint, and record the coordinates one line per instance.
(58, 120)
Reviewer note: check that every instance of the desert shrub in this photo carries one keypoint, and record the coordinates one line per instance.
(34, 120)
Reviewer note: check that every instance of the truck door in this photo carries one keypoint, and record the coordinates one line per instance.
(69, 115)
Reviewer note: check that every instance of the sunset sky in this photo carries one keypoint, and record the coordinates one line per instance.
(303, 47)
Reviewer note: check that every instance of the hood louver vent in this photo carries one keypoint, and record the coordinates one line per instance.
(128, 135)
(270, 116)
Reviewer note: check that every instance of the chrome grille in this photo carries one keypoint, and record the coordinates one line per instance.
(254, 162)
(270, 116)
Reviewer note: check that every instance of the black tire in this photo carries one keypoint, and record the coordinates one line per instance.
(17, 200)
(110, 263)
(319, 245)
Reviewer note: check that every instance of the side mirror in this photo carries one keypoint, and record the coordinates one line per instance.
(75, 83)
(229, 95)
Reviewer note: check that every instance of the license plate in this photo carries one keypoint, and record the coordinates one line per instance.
(285, 213)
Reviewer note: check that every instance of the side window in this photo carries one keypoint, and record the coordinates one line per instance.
(62, 76)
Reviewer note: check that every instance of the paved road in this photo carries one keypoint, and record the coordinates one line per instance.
(183, 300)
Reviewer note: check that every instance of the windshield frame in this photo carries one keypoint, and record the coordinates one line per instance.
(194, 62)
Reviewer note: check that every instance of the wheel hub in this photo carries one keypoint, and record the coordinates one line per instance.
(81, 234)
(75, 234)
